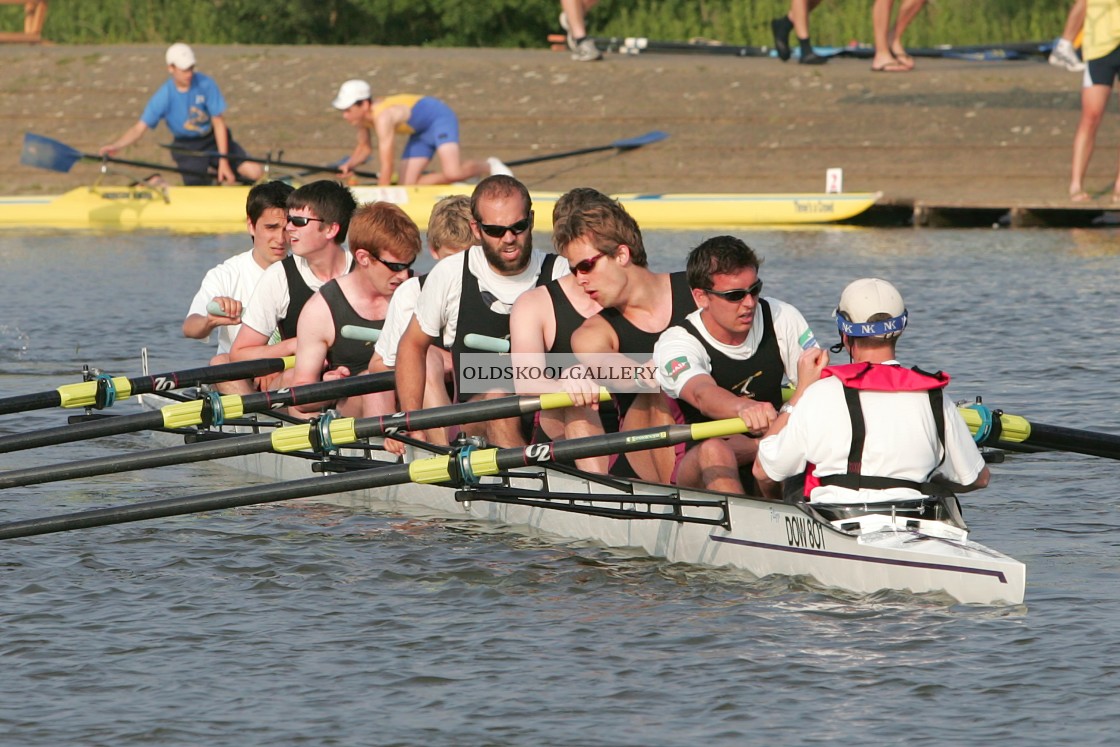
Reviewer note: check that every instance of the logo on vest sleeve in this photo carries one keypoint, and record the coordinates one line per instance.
(807, 340)
(676, 367)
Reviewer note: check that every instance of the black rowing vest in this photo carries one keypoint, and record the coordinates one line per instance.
(354, 354)
(568, 320)
(475, 314)
(634, 340)
(298, 294)
(758, 377)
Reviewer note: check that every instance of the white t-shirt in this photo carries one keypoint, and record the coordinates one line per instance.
(269, 302)
(235, 278)
(790, 327)
(397, 318)
(437, 309)
(901, 442)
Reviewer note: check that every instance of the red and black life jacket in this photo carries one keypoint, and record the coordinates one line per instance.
(877, 377)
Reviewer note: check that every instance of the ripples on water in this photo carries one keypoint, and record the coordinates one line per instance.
(313, 625)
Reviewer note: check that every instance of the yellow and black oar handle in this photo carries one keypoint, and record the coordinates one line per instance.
(103, 391)
(212, 409)
(323, 435)
(455, 469)
(1013, 432)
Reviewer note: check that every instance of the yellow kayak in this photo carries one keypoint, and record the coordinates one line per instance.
(222, 209)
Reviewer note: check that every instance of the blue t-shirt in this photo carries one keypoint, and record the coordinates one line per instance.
(187, 114)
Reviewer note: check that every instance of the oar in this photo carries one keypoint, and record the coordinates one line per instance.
(327, 432)
(1003, 430)
(626, 144)
(456, 469)
(45, 153)
(103, 391)
(202, 411)
(309, 168)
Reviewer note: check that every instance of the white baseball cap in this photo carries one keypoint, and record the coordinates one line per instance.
(350, 93)
(866, 298)
(181, 56)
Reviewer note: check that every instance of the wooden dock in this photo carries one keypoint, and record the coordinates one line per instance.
(899, 212)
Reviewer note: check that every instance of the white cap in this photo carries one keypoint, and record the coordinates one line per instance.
(351, 92)
(181, 56)
(865, 298)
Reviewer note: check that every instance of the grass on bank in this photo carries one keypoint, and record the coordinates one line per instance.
(517, 23)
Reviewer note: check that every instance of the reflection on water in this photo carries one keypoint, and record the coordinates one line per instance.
(290, 624)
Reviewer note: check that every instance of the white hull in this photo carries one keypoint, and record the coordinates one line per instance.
(758, 536)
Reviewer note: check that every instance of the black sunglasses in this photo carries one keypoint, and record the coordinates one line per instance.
(737, 295)
(300, 221)
(497, 232)
(393, 266)
(587, 265)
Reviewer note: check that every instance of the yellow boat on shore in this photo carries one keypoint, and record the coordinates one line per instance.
(222, 209)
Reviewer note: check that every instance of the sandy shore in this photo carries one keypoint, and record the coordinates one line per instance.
(951, 132)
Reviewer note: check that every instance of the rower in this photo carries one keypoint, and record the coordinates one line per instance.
(877, 432)
(472, 293)
(608, 259)
(193, 107)
(432, 129)
(728, 359)
(317, 221)
(384, 242)
(543, 321)
(226, 288)
(449, 232)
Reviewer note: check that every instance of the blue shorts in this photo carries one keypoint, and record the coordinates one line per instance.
(1103, 70)
(434, 124)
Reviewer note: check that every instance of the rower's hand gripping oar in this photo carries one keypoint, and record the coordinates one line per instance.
(1004, 431)
(104, 390)
(461, 468)
(210, 410)
(322, 435)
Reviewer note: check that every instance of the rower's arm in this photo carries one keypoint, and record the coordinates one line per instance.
(361, 151)
(221, 139)
(251, 345)
(717, 403)
(386, 126)
(130, 136)
(412, 362)
(981, 481)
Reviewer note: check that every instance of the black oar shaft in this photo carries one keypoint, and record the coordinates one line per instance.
(342, 431)
(448, 469)
(1058, 438)
(84, 393)
(190, 413)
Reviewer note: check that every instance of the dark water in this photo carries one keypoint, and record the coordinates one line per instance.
(320, 626)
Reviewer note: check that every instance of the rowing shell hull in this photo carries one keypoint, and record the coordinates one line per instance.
(222, 209)
(761, 537)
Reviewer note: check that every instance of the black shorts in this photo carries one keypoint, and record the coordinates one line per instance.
(1103, 70)
(199, 155)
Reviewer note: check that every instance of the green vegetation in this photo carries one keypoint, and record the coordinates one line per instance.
(516, 23)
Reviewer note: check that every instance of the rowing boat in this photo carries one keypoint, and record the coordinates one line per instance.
(863, 553)
(222, 209)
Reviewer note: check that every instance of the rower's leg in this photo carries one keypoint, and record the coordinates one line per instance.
(452, 167)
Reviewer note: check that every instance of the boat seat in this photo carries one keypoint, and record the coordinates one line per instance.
(941, 506)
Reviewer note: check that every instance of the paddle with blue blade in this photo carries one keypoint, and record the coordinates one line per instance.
(46, 153)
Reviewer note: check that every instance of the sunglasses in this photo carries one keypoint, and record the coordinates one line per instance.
(737, 295)
(585, 266)
(393, 266)
(497, 232)
(300, 221)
